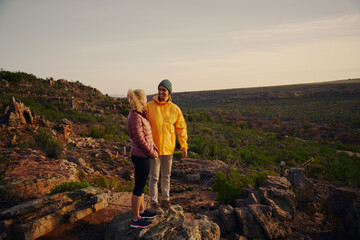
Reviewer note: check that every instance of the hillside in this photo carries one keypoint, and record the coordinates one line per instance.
(58, 135)
(301, 101)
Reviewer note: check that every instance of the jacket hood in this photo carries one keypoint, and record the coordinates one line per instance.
(156, 99)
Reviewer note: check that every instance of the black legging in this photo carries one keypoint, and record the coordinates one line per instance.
(142, 169)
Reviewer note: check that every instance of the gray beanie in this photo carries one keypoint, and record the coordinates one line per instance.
(166, 83)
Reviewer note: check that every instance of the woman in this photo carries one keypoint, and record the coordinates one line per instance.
(142, 150)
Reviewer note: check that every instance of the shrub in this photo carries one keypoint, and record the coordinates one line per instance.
(112, 183)
(97, 133)
(69, 186)
(177, 155)
(82, 175)
(4, 166)
(230, 186)
(46, 142)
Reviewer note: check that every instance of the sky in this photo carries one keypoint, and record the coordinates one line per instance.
(114, 45)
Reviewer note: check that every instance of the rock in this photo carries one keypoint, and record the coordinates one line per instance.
(304, 188)
(170, 226)
(78, 161)
(81, 162)
(17, 114)
(88, 169)
(277, 193)
(122, 150)
(205, 168)
(276, 182)
(208, 229)
(344, 212)
(272, 229)
(36, 218)
(195, 177)
(214, 216)
(86, 142)
(25, 183)
(282, 169)
(13, 139)
(227, 216)
(109, 154)
(247, 224)
(251, 199)
(64, 126)
(263, 212)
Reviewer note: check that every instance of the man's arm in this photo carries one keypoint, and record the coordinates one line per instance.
(181, 131)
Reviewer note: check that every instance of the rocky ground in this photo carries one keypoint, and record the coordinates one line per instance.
(191, 189)
(288, 207)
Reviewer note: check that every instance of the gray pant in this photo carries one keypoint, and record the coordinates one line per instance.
(163, 164)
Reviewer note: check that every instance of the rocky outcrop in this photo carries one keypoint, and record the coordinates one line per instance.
(87, 142)
(17, 114)
(194, 169)
(175, 226)
(344, 212)
(303, 186)
(64, 127)
(36, 218)
(277, 192)
(261, 213)
(34, 177)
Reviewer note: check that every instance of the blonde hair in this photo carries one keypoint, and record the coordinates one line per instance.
(134, 98)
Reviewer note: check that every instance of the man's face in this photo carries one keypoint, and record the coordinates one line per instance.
(163, 93)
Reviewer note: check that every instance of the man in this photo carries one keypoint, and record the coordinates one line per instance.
(165, 119)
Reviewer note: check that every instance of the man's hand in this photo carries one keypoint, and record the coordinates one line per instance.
(183, 153)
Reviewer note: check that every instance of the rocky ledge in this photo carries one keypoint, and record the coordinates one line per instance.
(170, 226)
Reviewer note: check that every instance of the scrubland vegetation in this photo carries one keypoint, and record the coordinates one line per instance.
(253, 128)
(258, 128)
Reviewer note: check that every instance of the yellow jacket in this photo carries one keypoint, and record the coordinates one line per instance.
(165, 118)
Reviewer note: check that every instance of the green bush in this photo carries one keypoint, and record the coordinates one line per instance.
(97, 133)
(230, 186)
(177, 155)
(69, 186)
(46, 142)
(82, 175)
(112, 183)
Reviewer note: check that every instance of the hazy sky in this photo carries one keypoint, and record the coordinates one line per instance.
(198, 44)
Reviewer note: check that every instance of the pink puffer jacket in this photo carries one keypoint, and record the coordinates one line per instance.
(141, 136)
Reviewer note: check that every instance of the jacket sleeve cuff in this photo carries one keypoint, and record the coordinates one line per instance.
(184, 148)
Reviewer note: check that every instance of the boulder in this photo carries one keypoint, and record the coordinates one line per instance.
(251, 199)
(262, 213)
(277, 193)
(344, 212)
(64, 126)
(25, 183)
(304, 188)
(194, 177)
(204, 168)
(170, 226)
(17, 114)
(227, 216)
(78, 161)
(33, 219)
(272, 229)
(247, 224)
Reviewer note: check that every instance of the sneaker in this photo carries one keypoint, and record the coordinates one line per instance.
(155, 207)
(148, 214)
(140, 223)
(167, 205)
